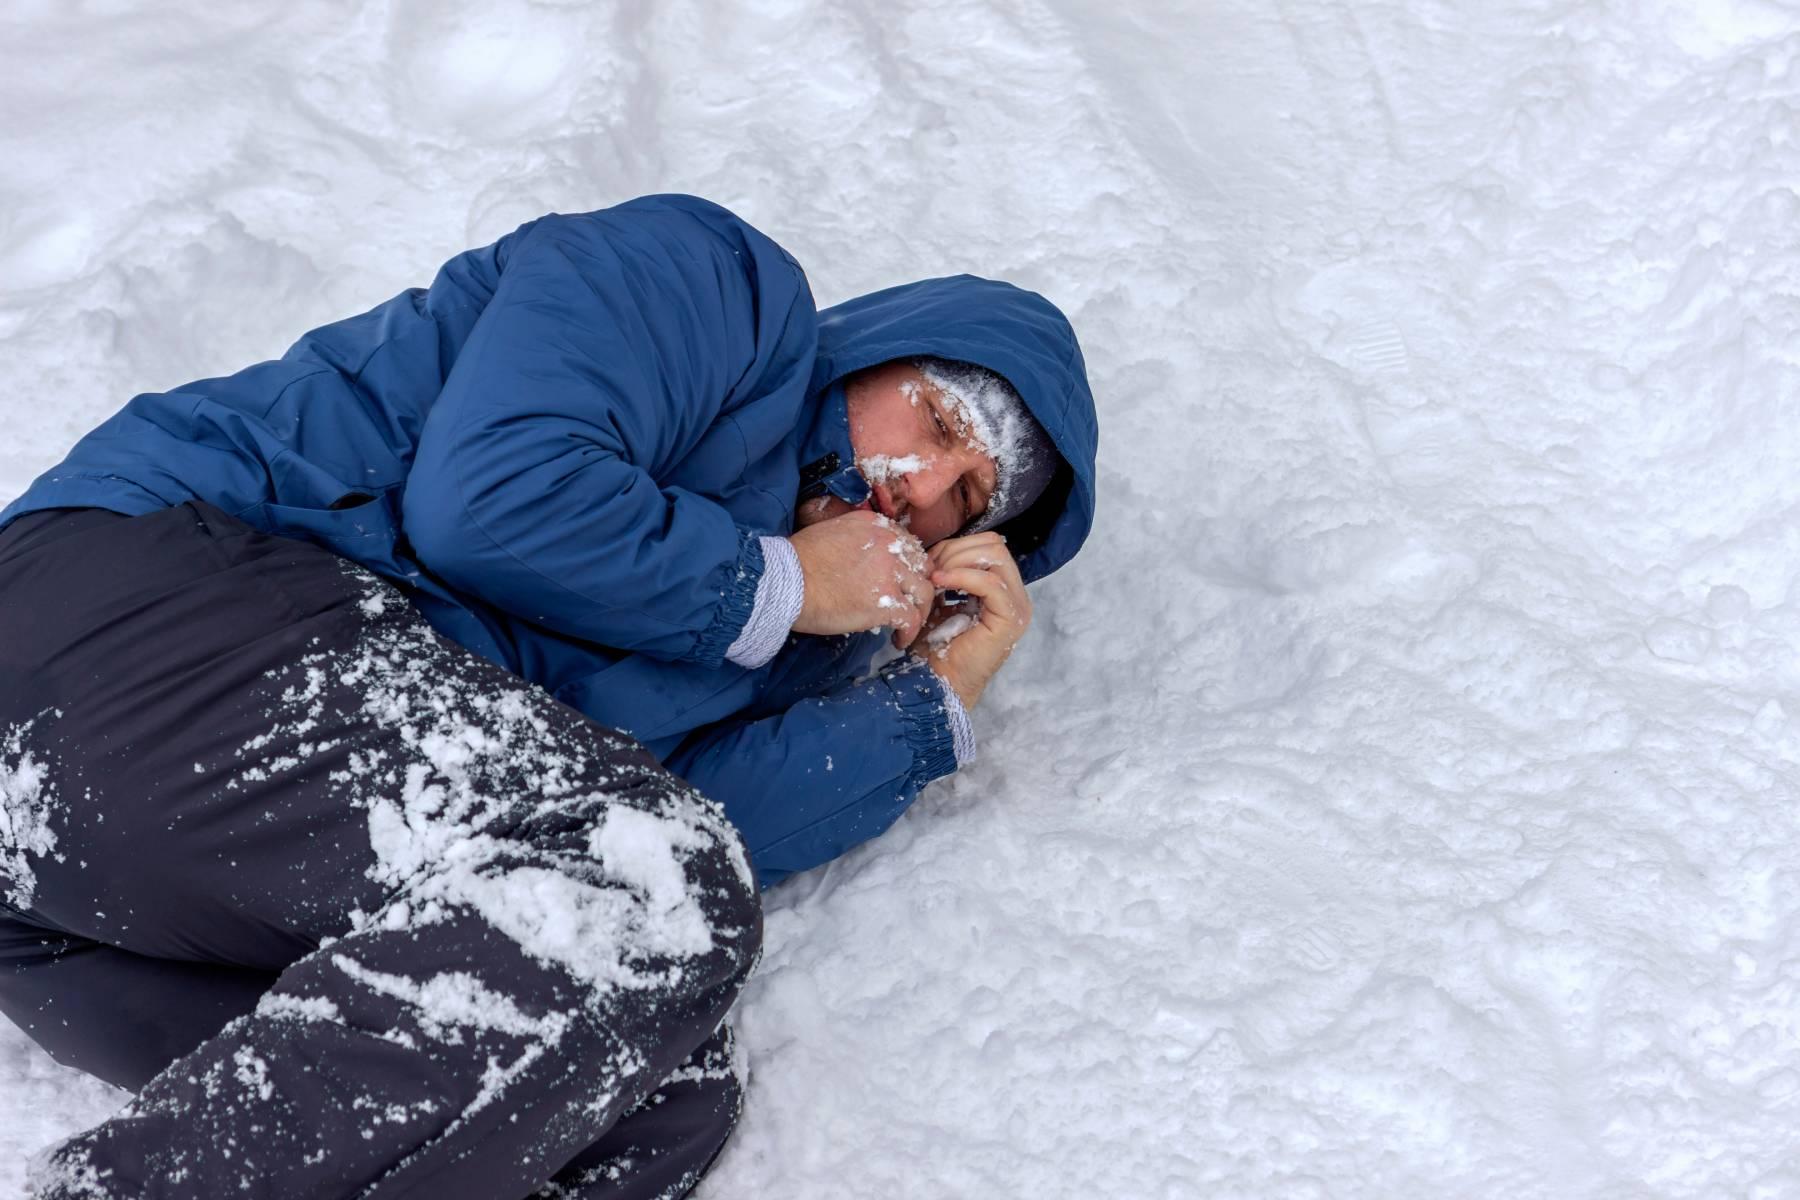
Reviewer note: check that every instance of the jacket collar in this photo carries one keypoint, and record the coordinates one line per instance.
(827, 459)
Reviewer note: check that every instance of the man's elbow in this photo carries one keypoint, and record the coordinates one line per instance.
(441, 533)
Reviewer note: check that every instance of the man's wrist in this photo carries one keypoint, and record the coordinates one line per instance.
(923, 709)
(962, 729)
(780, 594)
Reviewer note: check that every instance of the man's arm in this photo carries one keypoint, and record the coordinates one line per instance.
(613, 345)
(809, 783)
(830, 772)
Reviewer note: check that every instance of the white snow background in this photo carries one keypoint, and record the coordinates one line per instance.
(1397, 797)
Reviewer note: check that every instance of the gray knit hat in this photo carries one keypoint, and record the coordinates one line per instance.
(996, 416)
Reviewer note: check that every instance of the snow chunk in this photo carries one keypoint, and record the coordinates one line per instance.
(953, 626)
(450, 1001)
(25, 807)
(298, 1008)
(1679, 641)
(885, 468)
(453, 998)
(253, 1073)
(645, 851)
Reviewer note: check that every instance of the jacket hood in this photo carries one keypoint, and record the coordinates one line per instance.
(1016, 333)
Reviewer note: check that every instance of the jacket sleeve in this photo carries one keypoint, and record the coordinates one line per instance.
(615, 344)
(805, 785)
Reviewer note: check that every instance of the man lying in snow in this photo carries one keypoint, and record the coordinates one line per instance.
(309, 677)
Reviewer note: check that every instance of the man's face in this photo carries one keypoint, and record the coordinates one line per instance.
(927, 470)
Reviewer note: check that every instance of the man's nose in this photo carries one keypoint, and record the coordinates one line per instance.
(928, 484)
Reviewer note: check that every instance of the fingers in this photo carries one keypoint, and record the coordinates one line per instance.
(912, 631)
(952, 551)
(863, 571)
(912, 570)
(906, 628)
(909, 550)
(901, 614)
(980, 554)
(988, 556)
(910, 607)
(998, 597)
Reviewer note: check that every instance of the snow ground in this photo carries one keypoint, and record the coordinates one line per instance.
(1397, 797)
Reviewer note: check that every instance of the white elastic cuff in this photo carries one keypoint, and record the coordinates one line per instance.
(962, 729)
(779, 594)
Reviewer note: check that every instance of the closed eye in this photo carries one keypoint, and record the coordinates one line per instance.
(938, 420)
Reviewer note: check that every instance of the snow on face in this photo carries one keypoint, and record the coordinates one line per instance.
(886, 468)
(922, 460)
(26, 805)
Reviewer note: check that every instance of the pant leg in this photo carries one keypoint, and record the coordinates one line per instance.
(124, 1018)
(502, 925)
(119, 1016)
(660, 1149)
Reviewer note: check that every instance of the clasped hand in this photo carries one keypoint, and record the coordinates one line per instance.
(864, 572)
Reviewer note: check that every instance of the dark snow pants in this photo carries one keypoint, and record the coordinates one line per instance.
(353, 911)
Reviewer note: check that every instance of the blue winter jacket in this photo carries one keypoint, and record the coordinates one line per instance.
(566, 449)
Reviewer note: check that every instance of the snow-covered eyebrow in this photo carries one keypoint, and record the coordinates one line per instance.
(979, 488)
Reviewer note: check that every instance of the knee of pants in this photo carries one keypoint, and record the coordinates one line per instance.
(720, 876)
(738, 922)
(673, 850)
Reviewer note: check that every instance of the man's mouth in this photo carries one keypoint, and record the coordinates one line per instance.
(884, 503)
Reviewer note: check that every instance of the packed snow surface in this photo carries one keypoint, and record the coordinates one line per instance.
(1397, 797)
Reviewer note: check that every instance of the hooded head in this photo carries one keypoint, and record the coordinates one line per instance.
(936, 324)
